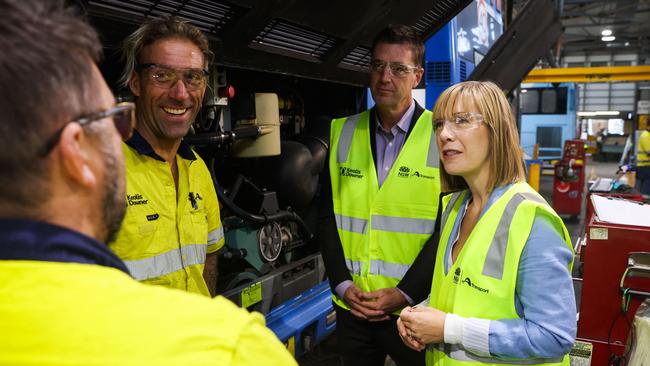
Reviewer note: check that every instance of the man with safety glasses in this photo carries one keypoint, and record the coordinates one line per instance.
(384, 186)
(172, 228)
(65, 298)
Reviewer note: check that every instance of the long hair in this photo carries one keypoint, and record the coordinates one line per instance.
(154, 30)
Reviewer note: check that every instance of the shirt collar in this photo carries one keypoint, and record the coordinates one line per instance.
(139, 144)
(41, 241)
(403, 124)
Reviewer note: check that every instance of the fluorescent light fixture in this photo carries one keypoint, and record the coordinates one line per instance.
(598, 113)
(608, 38)
(524, 90)
(606, 32)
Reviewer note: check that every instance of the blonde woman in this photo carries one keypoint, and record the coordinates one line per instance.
(502, 288)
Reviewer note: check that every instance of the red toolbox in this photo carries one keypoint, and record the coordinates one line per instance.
(616, 274)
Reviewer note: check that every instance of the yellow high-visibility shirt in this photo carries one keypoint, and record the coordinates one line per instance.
(67, 314)
(168, 230)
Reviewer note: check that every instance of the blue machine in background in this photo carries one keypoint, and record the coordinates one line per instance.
(452, 53)
(548, 118)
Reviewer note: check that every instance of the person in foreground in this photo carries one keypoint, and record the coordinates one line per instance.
(65, 298)
(502, 288)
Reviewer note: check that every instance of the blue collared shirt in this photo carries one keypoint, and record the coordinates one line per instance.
(41, 241)
(390, 143)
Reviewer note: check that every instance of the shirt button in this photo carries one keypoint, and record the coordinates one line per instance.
(390, 144)
(386, 169)
(184, 257)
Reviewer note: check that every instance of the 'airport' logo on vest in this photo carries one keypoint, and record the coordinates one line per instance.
(350, 172)
(135, 199)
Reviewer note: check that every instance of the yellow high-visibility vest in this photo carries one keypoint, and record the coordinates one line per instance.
(482, 281)
(643, 155)
(382, 230)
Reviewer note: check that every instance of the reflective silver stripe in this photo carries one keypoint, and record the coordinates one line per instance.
(403, 224)
(349, 223)
(450, 206)
(387, 269)
(353, 266)
(215, 235)
(168, 262)
(458, 353)
(433, 159)
(534, 197)
(496, 256)
(345, 140)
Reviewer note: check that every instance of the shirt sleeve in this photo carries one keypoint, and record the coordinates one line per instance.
(215, 229)
(258, 346)
(545, 300)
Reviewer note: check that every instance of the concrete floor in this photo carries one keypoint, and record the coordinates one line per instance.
(325, 353)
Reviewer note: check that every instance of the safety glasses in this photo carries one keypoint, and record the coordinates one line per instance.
(462, 121)
(166, 77)
(123, 116)
(397, 69)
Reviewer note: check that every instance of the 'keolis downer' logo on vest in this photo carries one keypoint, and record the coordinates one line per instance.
(405, 172)
(135, 199)
(350, 172)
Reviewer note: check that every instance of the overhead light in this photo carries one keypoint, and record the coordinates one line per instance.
(627, 44)
(608, 38)
(524, 90)
(598, 113)
(606, 32)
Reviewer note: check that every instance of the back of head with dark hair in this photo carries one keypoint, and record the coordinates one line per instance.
(402, 34)
(46, 77)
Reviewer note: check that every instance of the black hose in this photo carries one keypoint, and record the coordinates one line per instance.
(219, 138)
(258, 219)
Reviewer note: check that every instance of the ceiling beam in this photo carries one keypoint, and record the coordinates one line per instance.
(588, 74)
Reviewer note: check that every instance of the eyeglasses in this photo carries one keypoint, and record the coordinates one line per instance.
(166, 77)
(461, 121)
(397, 69)
(123, 115)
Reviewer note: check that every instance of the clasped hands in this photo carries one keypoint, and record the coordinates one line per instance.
(374, 305)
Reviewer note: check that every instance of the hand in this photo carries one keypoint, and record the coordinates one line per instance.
(407, 337)
(353, 296)
(385, 299)
(426, 324)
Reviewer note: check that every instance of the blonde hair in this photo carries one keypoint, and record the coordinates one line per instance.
(505, 154)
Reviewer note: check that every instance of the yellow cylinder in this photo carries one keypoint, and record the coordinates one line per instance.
(533, 175)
